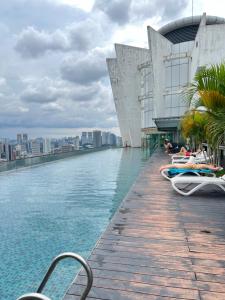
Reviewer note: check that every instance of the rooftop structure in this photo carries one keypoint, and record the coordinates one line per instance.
(147, 84)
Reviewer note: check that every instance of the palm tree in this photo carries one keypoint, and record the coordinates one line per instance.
(193, 126)
(208, 90)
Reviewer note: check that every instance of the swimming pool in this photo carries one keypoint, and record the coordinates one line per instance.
(58, 207)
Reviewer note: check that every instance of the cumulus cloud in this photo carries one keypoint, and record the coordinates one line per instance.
(79, 36)
(117, 10)
(33, 43)
(86, 34)
(41, 91)
(70, 88)
(124, 11)
(84, 70)
(166, 10)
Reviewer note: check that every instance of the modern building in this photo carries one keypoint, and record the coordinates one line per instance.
(97, 139)
(47, 146)
(148, 84)
(35, 148)
(77, 143)
(25, 138)
(105, 138)
(112, 139)
(84, 138)
(90, 137)
(19, 138)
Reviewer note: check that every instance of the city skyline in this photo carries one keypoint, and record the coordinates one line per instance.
(53, 76)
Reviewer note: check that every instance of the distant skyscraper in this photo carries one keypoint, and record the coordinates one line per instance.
(25, 138)
(35, 148)
(19, 138)
(112, 139)
(97, 139)
(77, 143)
(90, 138)
(84, 138)
(47, 146)
(105, 138)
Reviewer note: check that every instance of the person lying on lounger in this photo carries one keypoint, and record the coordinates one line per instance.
(192, 166)
(184, 152)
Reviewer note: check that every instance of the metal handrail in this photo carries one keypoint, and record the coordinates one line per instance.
(55, 261)
(33, 296)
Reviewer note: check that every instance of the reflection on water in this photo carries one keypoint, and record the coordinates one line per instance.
(58, 207)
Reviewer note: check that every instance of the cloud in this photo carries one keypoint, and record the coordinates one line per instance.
(128, 11)
(166, 10)
(86, 35)
(33, 43)
(117, 10)
(60, 77)
(84, 70)
(52, 107)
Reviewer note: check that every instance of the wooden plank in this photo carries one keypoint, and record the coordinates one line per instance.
(159, 245)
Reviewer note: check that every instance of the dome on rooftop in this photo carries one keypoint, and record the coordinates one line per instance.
(185, 29)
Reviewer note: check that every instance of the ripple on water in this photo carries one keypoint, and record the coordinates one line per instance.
(58, 207)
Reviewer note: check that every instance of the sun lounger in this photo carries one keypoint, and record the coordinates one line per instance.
(169, 173)
(200, 158)
(187, 185)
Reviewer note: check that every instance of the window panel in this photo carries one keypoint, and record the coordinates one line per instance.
(168, 77)
(168, 63)
(184, 74)
(175, 100)
(168, 101)
(175, 111)
(175, 75)
(168, 112)
(175, 62)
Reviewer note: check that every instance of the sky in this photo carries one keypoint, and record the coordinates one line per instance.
(53, 74)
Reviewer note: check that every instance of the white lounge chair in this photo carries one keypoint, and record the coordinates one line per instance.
(172, 172)
(201, 158)
(184, 184)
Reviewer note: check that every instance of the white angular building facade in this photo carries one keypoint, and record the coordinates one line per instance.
(147, 84)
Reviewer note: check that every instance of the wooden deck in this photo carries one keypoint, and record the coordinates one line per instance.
(160, 245)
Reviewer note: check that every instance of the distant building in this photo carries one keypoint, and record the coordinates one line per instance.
(105, 138)
(112, 139)
(90, 138)
(119, 142)
(77, 143)
(25, 138)
(67, 148)
(97, 139)
(84, 138)
(47, 146)
(8, 153)
(19, 138)
(35, 148)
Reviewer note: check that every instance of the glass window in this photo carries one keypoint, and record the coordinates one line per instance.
(175, 111)
(168, 112)
(182, 110)
(183, 74)
(175, 100)
(167, 63)
(175, 75)
(168, 77)
(168, 101)
(175, 62)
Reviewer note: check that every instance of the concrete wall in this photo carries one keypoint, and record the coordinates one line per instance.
(125, 79)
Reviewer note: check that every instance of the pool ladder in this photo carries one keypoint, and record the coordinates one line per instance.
(39, 296)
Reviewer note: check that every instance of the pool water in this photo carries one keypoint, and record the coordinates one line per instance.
(58, 207)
